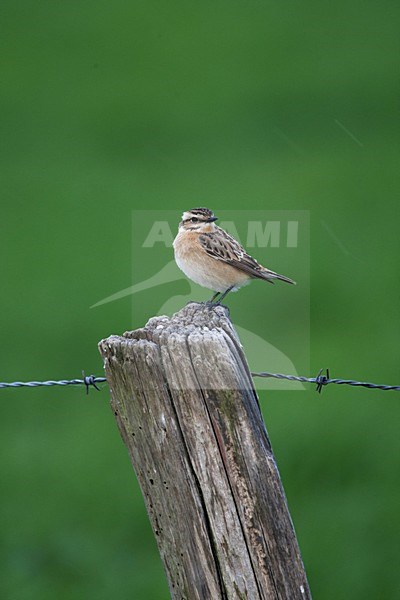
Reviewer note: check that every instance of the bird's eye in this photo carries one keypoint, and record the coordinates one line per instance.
(194, 219)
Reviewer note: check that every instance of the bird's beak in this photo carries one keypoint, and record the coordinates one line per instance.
(211, 219)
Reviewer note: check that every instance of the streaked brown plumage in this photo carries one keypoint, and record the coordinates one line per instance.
(214, 259)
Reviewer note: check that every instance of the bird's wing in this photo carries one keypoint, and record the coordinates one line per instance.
(221, 246)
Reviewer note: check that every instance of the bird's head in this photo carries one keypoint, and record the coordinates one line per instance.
(198, 219)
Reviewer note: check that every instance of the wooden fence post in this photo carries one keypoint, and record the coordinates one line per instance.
(185, 405)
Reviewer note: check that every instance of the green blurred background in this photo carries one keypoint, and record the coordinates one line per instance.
(111, 107)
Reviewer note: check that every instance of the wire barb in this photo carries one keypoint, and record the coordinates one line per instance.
(321, 380)
(89, 380)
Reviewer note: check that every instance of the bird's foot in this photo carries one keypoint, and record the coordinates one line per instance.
(212, 305)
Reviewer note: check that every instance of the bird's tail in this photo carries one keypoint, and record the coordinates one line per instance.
(271, 275)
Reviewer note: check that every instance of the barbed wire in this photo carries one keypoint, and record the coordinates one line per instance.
(88, 381)
(320, 380)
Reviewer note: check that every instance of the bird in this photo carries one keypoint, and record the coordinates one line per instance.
(211, 257)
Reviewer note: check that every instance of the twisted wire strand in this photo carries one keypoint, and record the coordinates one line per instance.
(320, 380)
(88, 381)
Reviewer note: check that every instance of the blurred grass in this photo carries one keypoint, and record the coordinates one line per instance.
(106, 108)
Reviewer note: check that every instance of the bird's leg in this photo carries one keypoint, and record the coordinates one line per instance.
(214, 297)
(210, 303)
(224, 294)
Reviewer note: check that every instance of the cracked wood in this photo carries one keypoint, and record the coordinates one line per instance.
(186, 409)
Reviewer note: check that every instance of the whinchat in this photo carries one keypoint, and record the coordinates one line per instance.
(211, 257)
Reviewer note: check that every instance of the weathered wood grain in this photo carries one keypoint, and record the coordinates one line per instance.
(185, 405)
